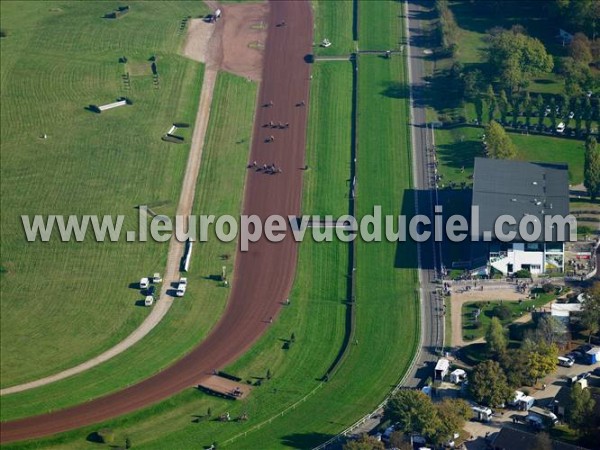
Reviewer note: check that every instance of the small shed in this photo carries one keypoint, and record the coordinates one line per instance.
(592, 356)
(525, 403)
(458, 376)
(149, 301)
(441, 369)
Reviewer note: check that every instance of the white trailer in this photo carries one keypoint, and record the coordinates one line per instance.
(149, 301)
(481, 413)
(185, 265)
(144, 283)
(525, 403)
(156, 278)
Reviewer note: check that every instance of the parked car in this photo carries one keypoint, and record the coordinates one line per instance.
(573, 356)
(565, 362)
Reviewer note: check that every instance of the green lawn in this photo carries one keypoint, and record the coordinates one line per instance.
(379, 24)
(220, 182)
(328, 156)
(471, 332)
(57, 59)
(333, 21)
(457, 148)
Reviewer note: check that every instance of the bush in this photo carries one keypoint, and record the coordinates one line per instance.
(3, 32)
(548, 288)
(106, 435)
(523, 273)
(502, 312)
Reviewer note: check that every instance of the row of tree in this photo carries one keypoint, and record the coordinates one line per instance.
(489, 103)
(448, 30)
(591, 168)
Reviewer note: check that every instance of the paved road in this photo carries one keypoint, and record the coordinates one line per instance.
(176, 248)
(264, 274)
(431, 305)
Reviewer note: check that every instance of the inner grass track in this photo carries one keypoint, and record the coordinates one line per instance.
(63, 303)
(221, 180)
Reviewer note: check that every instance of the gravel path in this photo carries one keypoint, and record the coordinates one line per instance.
(176, 249)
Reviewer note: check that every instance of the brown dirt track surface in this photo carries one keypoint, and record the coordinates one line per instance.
(264, 274)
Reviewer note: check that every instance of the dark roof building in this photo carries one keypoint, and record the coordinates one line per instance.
(513, 439)
(518, 188)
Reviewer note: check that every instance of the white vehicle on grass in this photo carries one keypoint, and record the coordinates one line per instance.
(560, 128)
(182, 287)
(325, 43)
(144, 283)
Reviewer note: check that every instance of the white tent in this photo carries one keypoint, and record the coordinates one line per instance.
(458, 376)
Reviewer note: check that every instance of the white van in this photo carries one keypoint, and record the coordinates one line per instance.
(144, 283)
(560, 128)
(565, 362)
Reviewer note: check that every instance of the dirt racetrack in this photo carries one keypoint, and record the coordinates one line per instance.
(263, 276)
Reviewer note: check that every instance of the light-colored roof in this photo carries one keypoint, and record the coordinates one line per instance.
(442, 364)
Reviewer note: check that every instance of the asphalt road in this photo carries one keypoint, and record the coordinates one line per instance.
(424, 182)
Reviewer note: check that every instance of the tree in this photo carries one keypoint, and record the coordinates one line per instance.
(581, 408)
(578, 76)
(549, 330)
(293, 337)
(580, 49)
(398, 441)
(516, 110)
(527, 108)
(209, 412)
(503, 105)
(539, 103)
(495, 337)
(515, 57)
(499, 145)
(488, 384)
(514, 362)
(542, 359)
(472, 84)
(127, 442)
(553, 112)
(269, 375)
(591, 168)
(590, 310)
(452, 414)
(490, 97)
(364, 442)
(413, 411)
